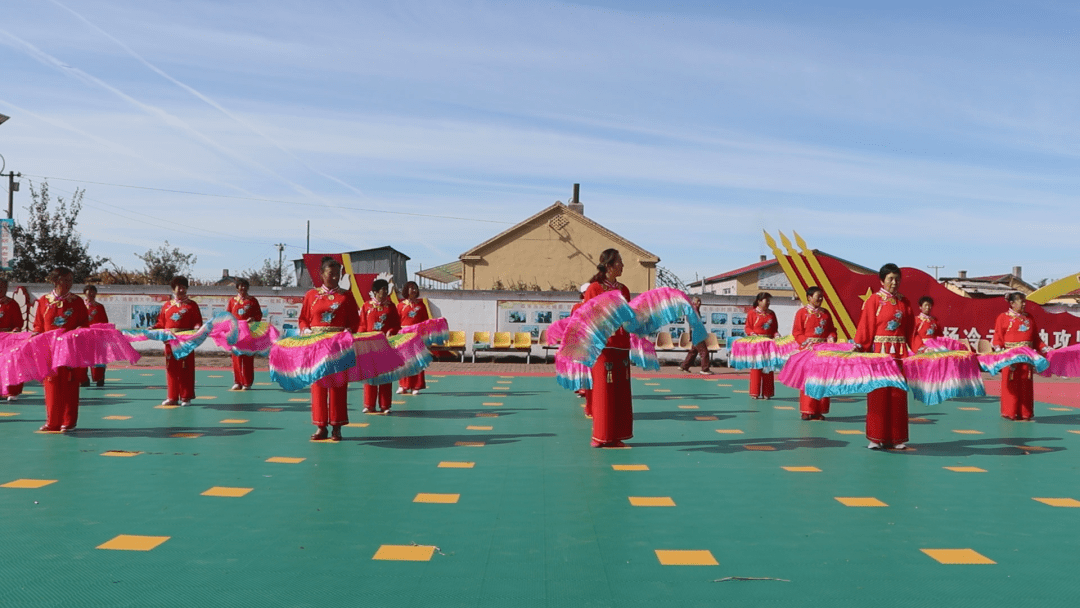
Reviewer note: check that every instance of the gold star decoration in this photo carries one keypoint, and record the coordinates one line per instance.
(865, 297)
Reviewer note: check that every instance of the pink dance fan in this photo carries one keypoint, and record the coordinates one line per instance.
(759, 352)
(572, 375)
(938, 376)
(937, 345)
(432, 331)
(590, 327)
(25, 357)
(99, 344)
(830, 373)
(299, 361)
(663, 306)
(407, 356)
(1064, 362)
(995, 362)
(793, 373)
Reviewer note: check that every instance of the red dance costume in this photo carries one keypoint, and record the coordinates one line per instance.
(411, 313)
(96, 313)
(329, 310)
(243, 366)
(63, 313)
(11, 320)
(585, 392)
(379, 316)
(1011, 330)
(926, 328)
(886, 326)
(179, 315)
(813, 326)
(612, 401)
(761, 324)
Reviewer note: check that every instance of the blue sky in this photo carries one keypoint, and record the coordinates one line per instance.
(914, 133)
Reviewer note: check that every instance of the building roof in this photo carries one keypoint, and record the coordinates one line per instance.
(731, 274)
(447, 273)
(546, 215)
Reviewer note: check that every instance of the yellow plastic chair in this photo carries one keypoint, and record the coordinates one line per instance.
(481, 340)
(663, 341)
(523, 343)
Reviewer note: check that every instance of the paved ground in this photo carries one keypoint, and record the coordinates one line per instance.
(483, 492)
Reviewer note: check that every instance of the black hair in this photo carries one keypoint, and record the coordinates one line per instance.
(1013, 296)
(57, 273)
(410, 284)
(242, 281)
(888, 269)
(761, 296)
(328, 261)
(89, 288)
(607, 258)
(811, 291)
(378, 284)
(178, 282)
(926, 300)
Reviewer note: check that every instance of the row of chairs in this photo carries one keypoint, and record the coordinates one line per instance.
(491, 342)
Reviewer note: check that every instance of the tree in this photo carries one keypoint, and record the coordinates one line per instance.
(272, 273)
(49, 239)
(164, 264)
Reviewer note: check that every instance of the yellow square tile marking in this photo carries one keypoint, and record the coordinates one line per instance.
(358, 424)
(783, 407)
(958, 556)
(445, 499)
(186, 435)
(729, 431)
(469, 444)
(760, 448)
(488, 415)
(499, 376)
(503, 381)
(116, 394)
(688, 407)
(446, 464)
(213, 376)
(1053, 502)
(405, 553)
(233, 421)
(918, 420)
(436, 376)
(120, 453)
(300, 400)
(738, 391)
(1032, 448)
(6, 414)
(206, 397)
(112, 379)
(269, 409)
(492, 403)
(967, 432)
(32, 484)
(651, 501)
(854, 501)
(166, 407)
(686, 558)
(433, 381)
(652, 384)
(705, 418)
(285, 460)
(966, 469)
(478, 428)
(397, 403)
(227, 492)
(29, 392)
(630, 467)
(499, 395)
(1075, 432)
(146, 374)
(661, 390)
(849, 432)
(970, 409)
(117, 418)
(500, 388)
(128, 542)
(725, 385)
(802, 469)
(1059, 409)
(264, 384)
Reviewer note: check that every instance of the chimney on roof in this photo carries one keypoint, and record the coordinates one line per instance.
(575, 203)
(1016, 271)
(224, 273)
(961, 274)
(764, 257)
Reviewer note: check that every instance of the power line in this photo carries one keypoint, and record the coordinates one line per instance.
(271, 200)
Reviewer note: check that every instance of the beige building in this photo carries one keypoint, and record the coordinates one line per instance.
(556, 249)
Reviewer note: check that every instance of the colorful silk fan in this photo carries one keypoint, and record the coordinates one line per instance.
(1064, 362)
(830, 373)
(256, 339)
(572, 375)
(432, 331)
(643, 354)
(99, 344)
(663, 306)
(995, 362)
(588, 330)
(415, 357)
(937, 345)
(298, 362)
(759, 352)
(25, 357)
(793, 373)
(934, 377)
(142, 335)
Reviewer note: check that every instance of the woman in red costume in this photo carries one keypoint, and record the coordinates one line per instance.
(1012, 329)
(182, 314)
(411, 311)
(329, 309)
(760, 321)
(612, 401)
(813, 325)
(926, 326)
(886, 326)
(11, 320)
(95, 311)
(379, 314)
(245, 308)
(64, 311)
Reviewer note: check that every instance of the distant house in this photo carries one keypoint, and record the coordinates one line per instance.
(764, 275)
(364, 261)
(556, 249)
(993, 286)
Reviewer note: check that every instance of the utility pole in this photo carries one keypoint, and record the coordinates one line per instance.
(308, 250)
(935, 270)
(13, 187)
(280, 262)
